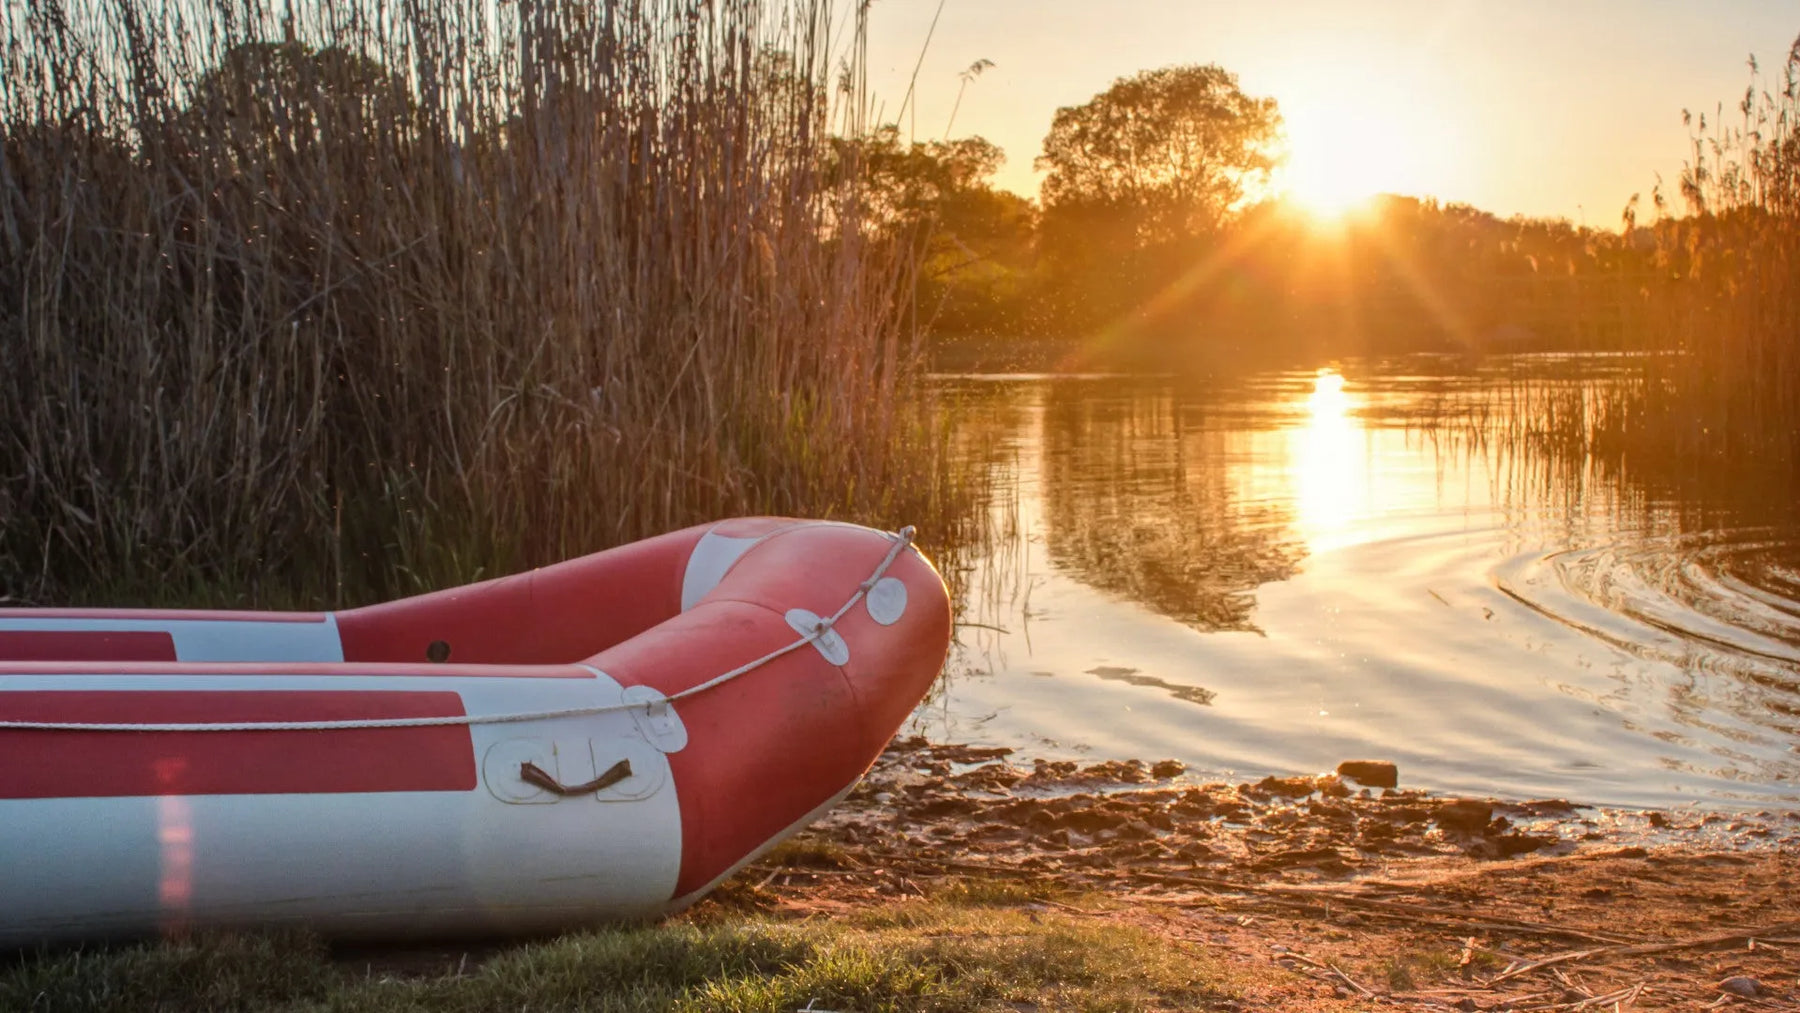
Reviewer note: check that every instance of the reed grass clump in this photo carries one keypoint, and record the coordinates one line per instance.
(1709, 407)
(304, 303)
(1725, 302)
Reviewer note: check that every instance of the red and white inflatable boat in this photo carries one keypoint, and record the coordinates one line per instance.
(605, 738)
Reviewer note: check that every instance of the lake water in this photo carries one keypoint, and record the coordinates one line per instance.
(1275, 574)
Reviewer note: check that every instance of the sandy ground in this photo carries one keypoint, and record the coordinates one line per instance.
(1338, 896)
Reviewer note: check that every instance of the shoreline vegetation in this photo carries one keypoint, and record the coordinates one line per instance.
(1125, 263)
(413, 297)
(321, 304)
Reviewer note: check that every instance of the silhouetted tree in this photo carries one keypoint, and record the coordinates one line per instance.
(973, 242)
(1140, 180)
(1172, 152)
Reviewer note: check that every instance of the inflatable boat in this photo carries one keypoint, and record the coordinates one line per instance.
(603, 739)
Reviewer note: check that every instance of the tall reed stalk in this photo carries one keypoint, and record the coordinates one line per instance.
(311, 302)
(1727, 299)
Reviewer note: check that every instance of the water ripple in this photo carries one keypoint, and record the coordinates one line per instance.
(1724, 608)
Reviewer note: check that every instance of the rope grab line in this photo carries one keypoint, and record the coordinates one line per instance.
(901, 540)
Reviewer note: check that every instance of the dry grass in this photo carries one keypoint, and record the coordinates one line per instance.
(331, 302)
(1728, 298)
(1712, 402)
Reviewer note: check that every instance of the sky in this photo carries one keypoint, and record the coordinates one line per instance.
(1547, 109)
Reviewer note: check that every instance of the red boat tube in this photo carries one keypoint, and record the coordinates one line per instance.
(605, 738)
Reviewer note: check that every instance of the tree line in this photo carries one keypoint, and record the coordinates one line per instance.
(1157, 238)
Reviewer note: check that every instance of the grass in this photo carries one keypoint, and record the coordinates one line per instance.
(944, 954)
(317, 304)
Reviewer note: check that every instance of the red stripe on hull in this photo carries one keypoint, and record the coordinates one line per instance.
(309, 669)
(168, 615)
(86, 645)
(71, 764)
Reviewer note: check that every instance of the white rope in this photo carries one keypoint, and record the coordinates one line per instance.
(901, 540)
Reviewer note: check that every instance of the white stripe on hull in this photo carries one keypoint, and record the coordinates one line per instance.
(374, 864)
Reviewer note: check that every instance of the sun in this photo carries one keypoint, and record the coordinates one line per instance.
(1340, 155)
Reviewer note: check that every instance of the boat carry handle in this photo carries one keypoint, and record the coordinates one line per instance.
(537, 776)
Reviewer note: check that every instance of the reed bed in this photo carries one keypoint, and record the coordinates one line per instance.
(1725, 305)
(1709, 405)
(316, 303)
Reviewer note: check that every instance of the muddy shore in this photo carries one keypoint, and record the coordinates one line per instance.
(1350, 896)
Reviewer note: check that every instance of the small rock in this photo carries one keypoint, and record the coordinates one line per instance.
(1167, 769)
(1464, 815)
(1545, 807)
(1136, 830)
(940, 807)
(1316, 857)
(1508, 845)
(1742, 985)
(1194, 851)
(1285, 787)
(1374, 773)
(1089, 821)
(1332, 786)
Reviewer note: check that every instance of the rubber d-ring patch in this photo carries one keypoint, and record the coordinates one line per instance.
(886, 601)
(832, 646)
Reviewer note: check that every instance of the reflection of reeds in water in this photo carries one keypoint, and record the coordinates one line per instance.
(1561, 440)
(1139, 502)
(991, 581)
(358, 299)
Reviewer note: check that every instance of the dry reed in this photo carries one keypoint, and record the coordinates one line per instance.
(1726, 302)
(320, 302)
(1712, 402)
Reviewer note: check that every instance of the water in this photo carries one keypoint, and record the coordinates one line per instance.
(1274, 575)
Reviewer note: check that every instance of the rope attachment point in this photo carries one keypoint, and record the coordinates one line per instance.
(653, 708)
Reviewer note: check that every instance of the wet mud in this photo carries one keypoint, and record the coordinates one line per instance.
(1348, 895)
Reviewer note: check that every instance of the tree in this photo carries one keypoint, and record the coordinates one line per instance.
(972, 243)
(269, 100)
(1142, 180)
(1171, 153)
(905, 185)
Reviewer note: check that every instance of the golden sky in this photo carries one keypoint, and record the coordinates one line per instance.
(1529, 107)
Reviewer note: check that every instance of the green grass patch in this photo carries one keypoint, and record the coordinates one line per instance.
(808, 852)
(971, 892)
(924, 955)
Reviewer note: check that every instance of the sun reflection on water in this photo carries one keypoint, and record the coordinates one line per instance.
(1330, 460)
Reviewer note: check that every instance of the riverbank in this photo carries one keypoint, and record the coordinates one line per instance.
(959, 878)
(1324, 893)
